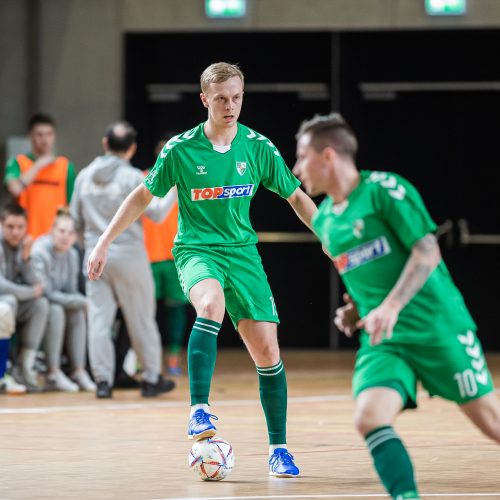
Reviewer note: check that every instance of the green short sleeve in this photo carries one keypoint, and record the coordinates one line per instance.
(70, 181)
(277, 177)
(160, 178)
(402, 208)
(12, 170)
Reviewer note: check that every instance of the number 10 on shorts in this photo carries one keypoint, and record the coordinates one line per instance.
(466, 383)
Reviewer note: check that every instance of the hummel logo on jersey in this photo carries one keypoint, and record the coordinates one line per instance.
(361, 255)
(201, 170)
(221, 192)
(241, 167)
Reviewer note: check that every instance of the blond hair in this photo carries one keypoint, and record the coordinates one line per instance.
(61, 214)
(219, 72)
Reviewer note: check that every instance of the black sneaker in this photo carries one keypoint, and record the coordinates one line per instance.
(149, 390)
(125, 381)
(103, 391)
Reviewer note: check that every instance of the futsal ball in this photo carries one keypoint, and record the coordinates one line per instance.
(212, 459)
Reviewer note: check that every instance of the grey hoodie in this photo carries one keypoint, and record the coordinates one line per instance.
(58, 272)
(99, 191)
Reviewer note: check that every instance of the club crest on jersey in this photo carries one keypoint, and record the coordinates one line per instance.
(358, 228)
(241, 167)
(222, 192)
(363, 254)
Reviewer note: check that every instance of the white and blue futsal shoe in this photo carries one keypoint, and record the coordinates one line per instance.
(281, 464)
(200, 426)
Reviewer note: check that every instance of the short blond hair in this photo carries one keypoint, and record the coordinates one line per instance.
(220, 72)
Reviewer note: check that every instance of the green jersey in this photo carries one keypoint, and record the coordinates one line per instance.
(215, 188)
(370, 237)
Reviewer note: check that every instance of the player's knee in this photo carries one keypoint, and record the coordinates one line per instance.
(266, 355)
(210, 308)
(367, 418)
(491, 427)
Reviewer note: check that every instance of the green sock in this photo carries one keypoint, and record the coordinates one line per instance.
(176, 324)
(392, 463)
(273, 396)
(202, 353)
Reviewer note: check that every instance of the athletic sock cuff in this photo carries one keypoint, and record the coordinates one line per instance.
(203, 325)
(378, 436)
(270, 371)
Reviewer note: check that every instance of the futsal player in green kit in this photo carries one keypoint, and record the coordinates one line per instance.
(217, 168)
(415, 325)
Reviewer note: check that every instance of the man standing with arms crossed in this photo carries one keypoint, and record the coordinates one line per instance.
(415, 324)
(217, 167)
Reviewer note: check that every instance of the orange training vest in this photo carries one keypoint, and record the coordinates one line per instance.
(45, 194)
(159, 238)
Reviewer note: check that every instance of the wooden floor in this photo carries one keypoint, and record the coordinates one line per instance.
(57, 446)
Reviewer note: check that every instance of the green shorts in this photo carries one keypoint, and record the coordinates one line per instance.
(455, 370)
(167, 286)
(241, 275)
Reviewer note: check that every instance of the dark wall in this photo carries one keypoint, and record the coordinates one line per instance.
(298, 274)
(444, 142)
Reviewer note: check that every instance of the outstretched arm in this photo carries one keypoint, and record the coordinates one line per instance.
(424, 258)
(132, 207)
(303, 205)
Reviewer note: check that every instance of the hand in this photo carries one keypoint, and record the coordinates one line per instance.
(43, 161)
(96, 262)
(38, 289)
(27, 244)
(347, 317)
(379, 322)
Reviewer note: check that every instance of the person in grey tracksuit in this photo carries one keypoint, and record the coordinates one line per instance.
(21, 289)
(57, 265)
(127, 281)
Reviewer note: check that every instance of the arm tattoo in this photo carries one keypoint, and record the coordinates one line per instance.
(427, 244)
(424, 257)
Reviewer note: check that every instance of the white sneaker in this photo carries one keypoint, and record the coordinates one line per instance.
(82, 378)
(26, 378)
(57, 381)
(9, 386)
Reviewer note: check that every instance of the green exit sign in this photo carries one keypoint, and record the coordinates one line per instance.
(446, 7)
(225, 8)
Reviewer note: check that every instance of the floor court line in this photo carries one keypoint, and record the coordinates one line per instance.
(169, 404)
(326, 496)
(166, 404)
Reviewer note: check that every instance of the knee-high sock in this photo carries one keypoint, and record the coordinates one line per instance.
(176, 324)
(202, 353)
(273, 396)
(392, 462)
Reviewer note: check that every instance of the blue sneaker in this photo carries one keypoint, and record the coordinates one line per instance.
(175, 371)
(281, 464)
(200, 426)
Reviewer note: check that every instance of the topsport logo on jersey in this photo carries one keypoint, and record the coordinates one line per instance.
(358, 256)
(222, 192)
